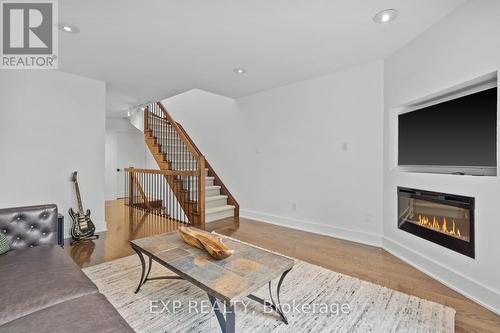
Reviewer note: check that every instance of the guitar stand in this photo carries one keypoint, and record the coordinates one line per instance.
(75, 241)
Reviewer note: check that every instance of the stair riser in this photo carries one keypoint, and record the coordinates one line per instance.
(194, 182)
(212, 192)
(209, 192)
(216, 203)
(219, 215)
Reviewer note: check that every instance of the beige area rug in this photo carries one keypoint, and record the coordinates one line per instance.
(315, 299)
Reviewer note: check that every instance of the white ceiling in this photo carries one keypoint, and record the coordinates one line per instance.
(153, 49)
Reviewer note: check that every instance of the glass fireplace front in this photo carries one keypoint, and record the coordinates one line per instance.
(442, 218)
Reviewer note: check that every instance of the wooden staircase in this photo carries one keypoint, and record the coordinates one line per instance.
(192, 180)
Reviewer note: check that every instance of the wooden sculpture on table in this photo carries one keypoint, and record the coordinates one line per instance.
(210, 243)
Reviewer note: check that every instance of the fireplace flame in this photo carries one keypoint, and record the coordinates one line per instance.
(443, 227)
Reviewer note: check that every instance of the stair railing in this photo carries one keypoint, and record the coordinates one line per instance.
(175, 152)
(150, 191)
(181, 178)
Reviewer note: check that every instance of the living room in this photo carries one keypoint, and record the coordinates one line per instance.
(250, 166)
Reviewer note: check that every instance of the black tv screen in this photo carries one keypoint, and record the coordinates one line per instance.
(459, 132)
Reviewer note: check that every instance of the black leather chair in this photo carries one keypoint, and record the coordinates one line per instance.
(41, 288)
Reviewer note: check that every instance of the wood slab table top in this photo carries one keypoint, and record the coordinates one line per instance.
(230, 279)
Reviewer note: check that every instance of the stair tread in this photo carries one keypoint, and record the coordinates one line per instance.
(216, 197)
(219, 209)
(206, 177)
(211, 187)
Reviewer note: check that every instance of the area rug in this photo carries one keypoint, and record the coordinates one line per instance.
(315, 300)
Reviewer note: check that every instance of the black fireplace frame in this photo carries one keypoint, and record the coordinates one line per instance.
(450, 242)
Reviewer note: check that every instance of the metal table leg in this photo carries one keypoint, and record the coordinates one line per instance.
(276, 306)
(145, 275)
(227, 323)
(143, 264)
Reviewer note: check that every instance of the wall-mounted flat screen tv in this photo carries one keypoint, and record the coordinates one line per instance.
(461, 132)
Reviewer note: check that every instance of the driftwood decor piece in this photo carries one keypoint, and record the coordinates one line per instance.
(205, 241)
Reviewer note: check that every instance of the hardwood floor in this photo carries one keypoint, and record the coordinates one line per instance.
(365, 262)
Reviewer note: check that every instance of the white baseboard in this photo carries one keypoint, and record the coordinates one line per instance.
(471, 289)
(316, 228)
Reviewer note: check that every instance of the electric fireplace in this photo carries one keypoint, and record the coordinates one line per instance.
(442, 218)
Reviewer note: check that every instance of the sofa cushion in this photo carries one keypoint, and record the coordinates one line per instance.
(4, 244)
(27, 227)
(34, 279)
(90, 313)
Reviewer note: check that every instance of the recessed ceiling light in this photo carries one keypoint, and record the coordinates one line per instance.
(69, 28)
(386, 15)
(239, 70)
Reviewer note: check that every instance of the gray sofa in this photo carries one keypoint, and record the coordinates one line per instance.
(41, 288)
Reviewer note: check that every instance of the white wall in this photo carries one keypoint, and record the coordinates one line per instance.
(460, 48)
(52, 123)
(131, 139)
(312, 154)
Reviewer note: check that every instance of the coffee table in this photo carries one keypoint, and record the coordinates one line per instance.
(227, 281)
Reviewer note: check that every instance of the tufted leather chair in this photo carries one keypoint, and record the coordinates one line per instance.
(32, 226)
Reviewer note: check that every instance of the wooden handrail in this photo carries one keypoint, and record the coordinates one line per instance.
(165, 172)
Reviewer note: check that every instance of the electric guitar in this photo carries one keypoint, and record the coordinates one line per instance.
(82, 226)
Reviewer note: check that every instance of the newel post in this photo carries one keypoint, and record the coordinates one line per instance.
(146, 124)
(201, 191)
(130, 186)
